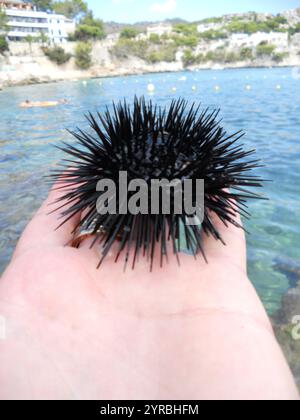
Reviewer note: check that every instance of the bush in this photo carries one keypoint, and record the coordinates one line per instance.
(129, 33)
(185, 41)
(265, 49)
(230, 57)
(57, 54)
(166, 53)
(83, 55)
(144, 50)
(279, 57)
(215, 56)
(211, 35)
(155, 39)
(3, 44)
(253, 27)
(246, 54)
(281, 20)
(295, 29)
(125, 48)
(186, 29)
(189, 58)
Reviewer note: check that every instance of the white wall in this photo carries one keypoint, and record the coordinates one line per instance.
(30, 22)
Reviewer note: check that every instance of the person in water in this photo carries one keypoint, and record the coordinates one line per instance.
(196, 332)
(42, 104)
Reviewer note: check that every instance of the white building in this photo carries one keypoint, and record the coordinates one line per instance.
(280, 39)
(24, 21)
(204, 27)
(160, 29)
(59, 28)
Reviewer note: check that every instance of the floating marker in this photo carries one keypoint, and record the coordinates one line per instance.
(151, 87)
(194, 88)
(248, 87)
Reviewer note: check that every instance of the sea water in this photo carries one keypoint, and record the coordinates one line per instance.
(263, 102)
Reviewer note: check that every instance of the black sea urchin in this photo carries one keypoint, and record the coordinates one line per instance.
(148, 142)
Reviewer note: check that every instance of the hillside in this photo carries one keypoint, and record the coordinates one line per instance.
(248, 40)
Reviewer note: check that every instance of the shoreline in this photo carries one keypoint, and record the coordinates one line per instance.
(32, 80)
(26, 64)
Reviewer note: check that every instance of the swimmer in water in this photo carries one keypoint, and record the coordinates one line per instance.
(42, 104)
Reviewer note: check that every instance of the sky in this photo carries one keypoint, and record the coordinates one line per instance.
(131, 11)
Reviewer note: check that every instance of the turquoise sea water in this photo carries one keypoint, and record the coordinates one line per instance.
(269, 113)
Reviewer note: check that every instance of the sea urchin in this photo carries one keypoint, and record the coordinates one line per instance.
(148, 142)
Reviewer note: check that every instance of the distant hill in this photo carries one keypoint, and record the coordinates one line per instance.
(291, 15)
(115, 27)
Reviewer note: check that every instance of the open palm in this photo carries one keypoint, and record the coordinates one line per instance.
(194, 331)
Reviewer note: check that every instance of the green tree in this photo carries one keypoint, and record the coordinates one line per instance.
(3, 44)
(89, 28)
(83, 55)
(43, 38)
(30, 40)
(129, 33)
(71, 8)
(43, 5)
(3, 21)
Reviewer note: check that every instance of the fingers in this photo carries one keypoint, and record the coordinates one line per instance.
(42, 230)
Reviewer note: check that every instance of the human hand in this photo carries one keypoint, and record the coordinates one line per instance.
(197, 331)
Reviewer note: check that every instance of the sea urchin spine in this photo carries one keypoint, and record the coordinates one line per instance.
(148, 142)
